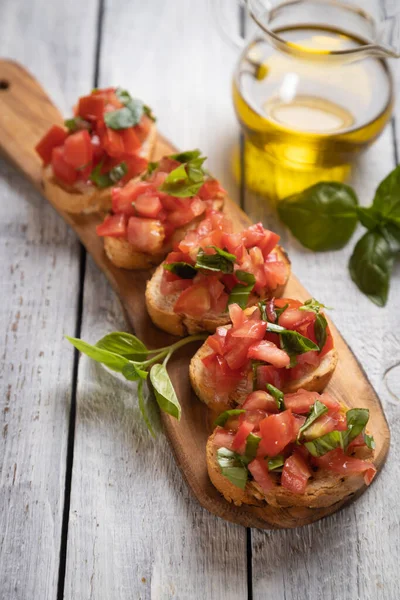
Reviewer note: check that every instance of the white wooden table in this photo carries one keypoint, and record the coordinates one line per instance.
(90, 506)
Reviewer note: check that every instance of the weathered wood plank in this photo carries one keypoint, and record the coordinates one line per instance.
(39, 274)
(134, 531)
(353, 553)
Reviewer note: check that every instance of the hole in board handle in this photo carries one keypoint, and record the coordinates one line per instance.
(4, 85)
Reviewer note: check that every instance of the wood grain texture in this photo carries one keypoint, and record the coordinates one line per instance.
(39, 273)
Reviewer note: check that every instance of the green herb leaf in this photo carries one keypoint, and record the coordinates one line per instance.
(371, 266)
(223, 417)
(149, 113)
(232, 468)
(104, 180)
(277, 395)
(276, 463)
(133, 372)
(113, 361)
(279, 311)
(125, 117)
(320, 325)
(325, 443)
(369, 440)
(164, 391)
(357, 419)
(221, 261)
(76, 124)
(143, 401)
(369, 217)
(391, 233)
(318, 409)
(387, 198)
(184, 157)
(322, 217)
(182, 269)
(252, 443)
(123, 95)
(186, 180)
(240, 293)
(312, 305)
(124, 344)
(151, 166)
(292, 342)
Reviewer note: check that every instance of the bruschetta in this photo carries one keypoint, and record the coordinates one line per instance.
(109, 141)
(150, 214)
(282, 342)
(299, 449)
(211, 268)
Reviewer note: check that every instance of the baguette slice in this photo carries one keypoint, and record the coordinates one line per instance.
(83, 198)
(161, 308)
(124, 255)
(203, 386)
(323, 490)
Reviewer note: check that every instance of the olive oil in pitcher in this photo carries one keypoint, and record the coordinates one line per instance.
(305, 119)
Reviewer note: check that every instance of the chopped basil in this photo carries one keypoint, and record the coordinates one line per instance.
(254, 366)
(240, 293)
(292, 342)
(320, 326)
(369, 440)
(252, 444)
(152, 166)
(276, 463)
(76, 124)
(182, 269)
(104, 180)
(277, 395)
(318, 409)
(232, 468)
(357, 419)
(279, 311)
(126, 117)
(312, 305)
(184, 157)
(222, 418)
(149, 113)
(186, 180)
(325, 443)
(221, 261)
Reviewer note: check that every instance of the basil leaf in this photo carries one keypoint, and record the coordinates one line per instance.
(149, 113)
(220, 262)
(322, 217)
(254, 366)
(143, 401)
(369, 217)
(103, 180)
(387, 197)
(133, 372)
(123, 95)
(276, 463)
(224, 253)
(76, 124)
(391, 233)
(184, 157)
(177, 175)
(316, 411)
(182, 269)
(277, 394)
(152, 166)
(240, 293)
(231, 468)
(113, 361)
(164, 391)
(187, 179)
(252, 444)
(125, 117)
(223, 417)
(320, 325)
(369, 440)
(325, 443)
(312, 305)
(125, 344)
(292, 342)
(371, 266)
(357, 419)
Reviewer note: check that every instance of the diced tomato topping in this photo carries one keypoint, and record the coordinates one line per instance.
(293, 317)
(223, 439)
(301, 401)
(147, 206)
(211, 189)
(130, 140)
(78, 151)
(324, 424)
(241, 436)
(194, 302)
(61, 169)
(261, 400)
(277, 431)
(226, 379)
(112, 142)
(295, 474)
(250, 329)
(259, 470)
(91, 107)
(145, 235)
(113, 226)
(338, 462)
(269, 353)
(53, 138)
(142, 129)
(217, 341)
(268, 374)
(254, 417)
(298, 422)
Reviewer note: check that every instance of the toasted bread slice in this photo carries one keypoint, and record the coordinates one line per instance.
(203, 386)
(161, 308)
(83, 198)
(125, 256)
(323, 490)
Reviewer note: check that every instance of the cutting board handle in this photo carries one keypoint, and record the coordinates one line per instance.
(25, 113)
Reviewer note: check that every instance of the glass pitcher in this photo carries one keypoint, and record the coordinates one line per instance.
(312, 88)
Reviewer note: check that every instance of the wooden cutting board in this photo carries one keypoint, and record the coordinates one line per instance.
(26, 112)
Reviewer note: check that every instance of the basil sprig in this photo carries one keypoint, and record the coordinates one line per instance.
(357, 419)
(240, 293)
(186, 180)
(318, 409)
(104, 180)
(126, 354)
(292, 342)
(232, 467)
(128, 116)
(277, 395)
(323, 217)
